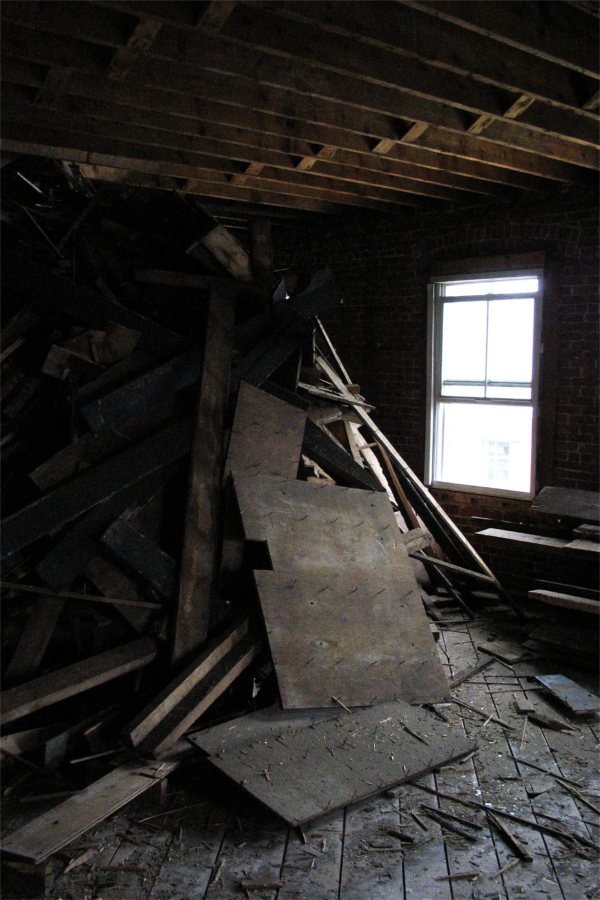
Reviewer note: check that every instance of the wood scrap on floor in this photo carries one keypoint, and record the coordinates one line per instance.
(578, 700)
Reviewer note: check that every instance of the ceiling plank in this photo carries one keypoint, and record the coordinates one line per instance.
(352, 133)
(552, 30)
(214, 16)
(141, 38)
(443, 44)
(219, 55)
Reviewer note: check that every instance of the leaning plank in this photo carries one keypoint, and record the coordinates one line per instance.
(168, 699)
(200, 698)
(201, 521)
(145, 392)
(458, 570)
(335, 460)
(34, 640)
(60, 826)
(266, 437)
(579, 701)
(142, 555)
(575, 504)
(62, 505)
(568, 601)
(303, 772)
(76, 678)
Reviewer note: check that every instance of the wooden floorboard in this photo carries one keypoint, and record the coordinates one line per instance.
(209, 836)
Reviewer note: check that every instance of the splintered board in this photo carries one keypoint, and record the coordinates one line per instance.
(267, 435)
(342, 608)
(580, 701)
(303, 771)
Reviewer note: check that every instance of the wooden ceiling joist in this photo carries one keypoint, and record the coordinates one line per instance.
(350, 104)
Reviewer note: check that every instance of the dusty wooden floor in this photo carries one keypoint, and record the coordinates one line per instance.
(209, 836)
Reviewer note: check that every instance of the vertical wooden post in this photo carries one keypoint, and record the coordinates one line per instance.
(261, 252)
(197, 573)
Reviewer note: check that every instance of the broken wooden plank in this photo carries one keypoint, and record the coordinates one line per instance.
(53, 830)
(303, 772)
(266, 437)
(335, 460)
(202, 695)
(176, 690)
(451, 567)
(64, 503)
(63, 364)
(578, 700)
(74, 679)
(513, 842)
(503, 651)
(569, 502)
(228, 251)
(142, 555)
(567, 601)
(35, 637)
(198, 561)
(469, 673)
(356, 563)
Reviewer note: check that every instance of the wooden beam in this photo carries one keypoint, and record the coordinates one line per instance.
(566, 601)
(229, 252)
(81, 676)
(443, 44)
(411, 103)
(324, 125)
(141, 38)
(198, 561)
(33, 643)
(554, 31)
(75, 595)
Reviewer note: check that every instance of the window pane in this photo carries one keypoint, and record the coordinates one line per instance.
(510, 342)
(484, 446)
(507, 393)
(462, 390)
(519, 285)
(463, 344)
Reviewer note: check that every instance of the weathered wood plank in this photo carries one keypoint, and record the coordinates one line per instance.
(51, 512)
(76, 678)
(34, 640)
(577, 699)
(55, 829)
(567, 601)
(539, 543)
(142, 555)
(576, 504)
(197, 572)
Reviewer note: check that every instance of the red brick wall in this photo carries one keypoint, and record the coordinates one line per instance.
(383, 266)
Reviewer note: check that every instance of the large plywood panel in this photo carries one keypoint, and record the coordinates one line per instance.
(267, 435)
(342, 608)
(303, 771)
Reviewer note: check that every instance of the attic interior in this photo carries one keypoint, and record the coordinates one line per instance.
(299, 381)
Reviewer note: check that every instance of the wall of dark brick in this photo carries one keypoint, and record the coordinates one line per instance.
(383, 265)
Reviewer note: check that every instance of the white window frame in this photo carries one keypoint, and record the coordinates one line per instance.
(434, 364)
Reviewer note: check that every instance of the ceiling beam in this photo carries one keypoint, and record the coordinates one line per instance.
(551, 30)
(222, 56)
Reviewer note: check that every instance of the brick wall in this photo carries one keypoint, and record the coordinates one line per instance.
(383, 265)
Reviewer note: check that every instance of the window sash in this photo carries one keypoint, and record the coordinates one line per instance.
(435, 397)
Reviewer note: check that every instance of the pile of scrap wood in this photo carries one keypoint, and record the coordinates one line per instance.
(202, 519)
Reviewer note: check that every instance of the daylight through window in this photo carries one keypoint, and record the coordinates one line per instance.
(483, 382)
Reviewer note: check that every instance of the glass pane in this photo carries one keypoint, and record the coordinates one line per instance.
(462, 390)
(508, 393)
(510, 341)
(484, 446)
(519, 285)
(463, 343)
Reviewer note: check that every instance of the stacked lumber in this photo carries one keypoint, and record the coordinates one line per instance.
(201, 517)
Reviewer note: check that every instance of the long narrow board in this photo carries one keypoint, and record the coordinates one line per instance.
(53, 830)
(267, 435)
(142, 555)
(580, 701)
(576, 504)
(74, 679)
(567, 601)
(303, 772)
(342, 608)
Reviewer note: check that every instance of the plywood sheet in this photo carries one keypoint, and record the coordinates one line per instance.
(303, 772)
(267, 435)
(342, 608)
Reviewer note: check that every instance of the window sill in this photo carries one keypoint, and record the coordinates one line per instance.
(485, 491)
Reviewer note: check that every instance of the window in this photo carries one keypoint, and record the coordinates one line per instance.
(483, 382)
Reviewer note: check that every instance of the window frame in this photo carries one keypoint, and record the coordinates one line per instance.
(435, 301)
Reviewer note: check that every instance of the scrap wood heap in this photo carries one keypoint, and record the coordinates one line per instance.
(201, 518)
